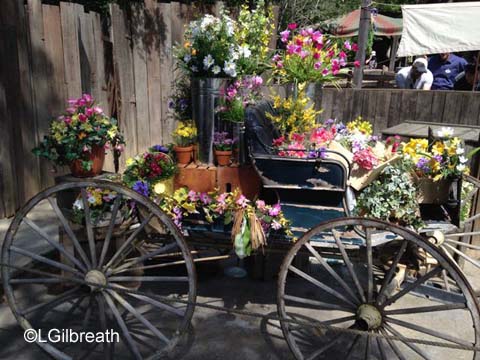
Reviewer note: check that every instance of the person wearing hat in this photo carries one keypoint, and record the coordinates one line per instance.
(416, 76)
(445, 67)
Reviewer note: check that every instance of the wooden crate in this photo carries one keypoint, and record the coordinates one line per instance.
(202, 178)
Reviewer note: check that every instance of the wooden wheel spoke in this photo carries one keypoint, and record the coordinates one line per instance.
(38, 281)
(393, 346)
(368, 243)
(352, 347)
(148, 278)
(131, 344)
(324, 348)
(391, 271)
(318, 304)
(339, 320)
(470, 195)
(319, 284)
(142, 258)
(332, 272)
(116, 205)
(348, 263)
(430, 332)
(472, 218)
(88, 225)
(412, 286)
(424, 309)
(128, 242)
(381, 348)
(45, 260)
(52, 303)
(461, 234)
(467, 245)
(54, 243)
(410, 345)
(466, 257)
(126, 305)
(159, 304)
(88, 314)
(108, 349)
(69, 232)
(368, 347)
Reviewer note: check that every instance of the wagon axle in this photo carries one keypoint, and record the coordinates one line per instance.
(95, 277)
(369, 317)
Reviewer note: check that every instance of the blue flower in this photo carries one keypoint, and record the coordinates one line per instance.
(160, 148)
(141, 187)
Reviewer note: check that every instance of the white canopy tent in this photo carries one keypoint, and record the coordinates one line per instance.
(440, 28)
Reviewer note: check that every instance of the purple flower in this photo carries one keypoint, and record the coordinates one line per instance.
(422, 165)
(205, 198)
(160, 148)
(192, 195)
(141, 187)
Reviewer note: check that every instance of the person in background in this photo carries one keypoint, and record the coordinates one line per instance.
(464, 81)
(416, 76)
(445, 68)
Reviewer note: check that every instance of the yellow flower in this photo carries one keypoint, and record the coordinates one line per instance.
(438, 148)
(82, 135)
(159, 188)
(187, 44)
(130, 161)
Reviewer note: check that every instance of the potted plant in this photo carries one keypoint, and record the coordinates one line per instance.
(79, 138)
(184, 136)
(223, 146)
(436, 165)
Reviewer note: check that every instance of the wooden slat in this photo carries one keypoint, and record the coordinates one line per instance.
(424, 106)
(40, 81)
(273, 41)
(166, 66)
(394, 108)
(28, 170)
(87, 53)
(123, 67)
(380, 120)
(140, 49)
(155, 103)
(357, 104)
(69, 13)
(348, 106)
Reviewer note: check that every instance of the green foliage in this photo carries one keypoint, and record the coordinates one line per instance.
(391, 197)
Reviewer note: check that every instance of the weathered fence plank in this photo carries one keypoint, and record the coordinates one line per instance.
(166, 70)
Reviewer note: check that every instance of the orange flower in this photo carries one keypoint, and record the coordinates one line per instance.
(194, 52)
(187, 44)
(82, 135)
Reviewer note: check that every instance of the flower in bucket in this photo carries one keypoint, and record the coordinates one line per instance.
(222, 141)
(75, 134)
(148, 173)
(210, 48)
(185, 133)
(443, 159)
(309, 56)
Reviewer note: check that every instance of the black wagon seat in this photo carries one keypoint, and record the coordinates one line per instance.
(309, 190)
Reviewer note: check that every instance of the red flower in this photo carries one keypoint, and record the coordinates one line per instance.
(279, 141)
(365, 159)
(292, 26)
(356, 63)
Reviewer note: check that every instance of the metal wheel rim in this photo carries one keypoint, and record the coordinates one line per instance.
(472, 303)
(155, 210)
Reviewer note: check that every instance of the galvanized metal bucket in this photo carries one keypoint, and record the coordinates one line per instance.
(205, 96)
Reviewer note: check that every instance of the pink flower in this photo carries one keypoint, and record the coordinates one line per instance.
(325, 72)
(71, 110)
(87, 97)
(342, 55)
(275, 210)
(242, 201)
(299, 42)
(89, 112)
(304, 54)
(260, 204)
(290, 49)
(279, 64)
(205, 198)
(98, 110)
(319, 46)
(292, 26)
(298, 137)
(365, 159)
(257, 81)
(276, 225)
(316, 55)
(296, 149)
(120, 148)
(284, 36)
(276, 57)
(317, 65)
(317, 37)
(192, 195)
(72, 102)
(68, 120)
(321, 135)
(347, 45)
(279, 141)
(331, 53)
(304, 32)
(82, 118)
(355, 47)
(356, 63)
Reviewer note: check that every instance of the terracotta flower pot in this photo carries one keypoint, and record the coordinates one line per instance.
(97, 156)
(184, 154)
(223, 157)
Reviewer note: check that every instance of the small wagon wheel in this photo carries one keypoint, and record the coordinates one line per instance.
(343, 295)
(71, 266)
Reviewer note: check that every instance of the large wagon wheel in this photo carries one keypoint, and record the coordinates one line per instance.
(109, 271)
(333, 276)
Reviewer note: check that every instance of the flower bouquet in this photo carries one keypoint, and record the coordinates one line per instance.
(80, 137)
(436, 165)
(151, 173)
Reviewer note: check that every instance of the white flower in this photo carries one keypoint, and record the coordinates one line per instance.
(445, 132)
(462, 159)
(78, 204)
(91, 200)
(216, 69)
(187, 58)
(194, 68)
(208, 62)
(461, 167)
(460, 151)
(206, 21)
(230, 27)
(229, 68)
(244, 51)
(234, 55)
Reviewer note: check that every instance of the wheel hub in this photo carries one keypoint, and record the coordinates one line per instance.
(95, 279)
(369, 317)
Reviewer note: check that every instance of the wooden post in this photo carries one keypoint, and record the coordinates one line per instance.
(393, 53)
(476, 72)
(363, 29)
